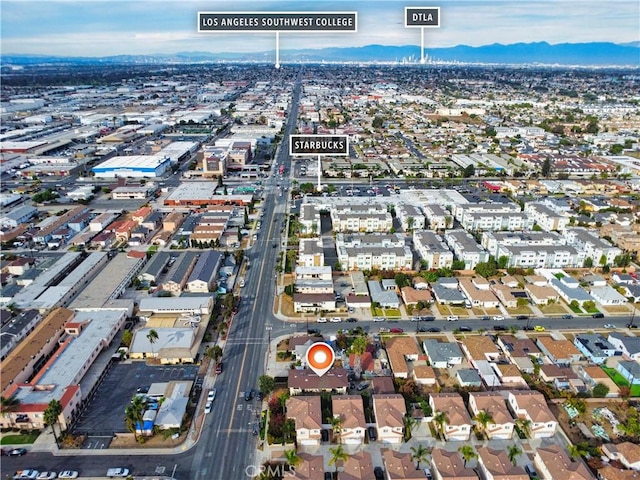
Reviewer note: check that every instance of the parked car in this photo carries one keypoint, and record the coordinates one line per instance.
(378, 319)
(464, 328)
(208, 407)
(17, 452)
(313, 331)
(378, 473)
(539, 328)
(498, 318)
(372, 433)
(68, 474)
(27, 473)
(522, 317)
(335, 320)
(46, 476)
(211, 395)
(219, 367)
(352, 320)
(428, 318)
(598, 315)
(486, 318)
(362, 386)
(324, 435)
(248, 394)
(567, 317)
(452, 318)
(396, 330)
(433, 330)
(322, 320)
(118, 472)
(499, 328)
(609, 325)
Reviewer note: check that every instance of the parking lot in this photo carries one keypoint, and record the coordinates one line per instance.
(104, 415)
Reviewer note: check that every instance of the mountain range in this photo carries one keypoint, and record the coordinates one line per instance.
(543, 53)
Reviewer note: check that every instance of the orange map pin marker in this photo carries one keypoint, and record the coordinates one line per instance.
(320, 358)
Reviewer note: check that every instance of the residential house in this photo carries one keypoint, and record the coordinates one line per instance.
(307, 414)
(410, 216)
(204, 273)
(468, 377)
(358, 466)
(442, 354)
(594, 346)
(552, 462)
(532, 408)
(364, 364)
(445, 291)
(495, 465)
(400, 349)
(545, 217)
(311, 467)
(629, 346)
(432, 249)
(630, 370)
(519, 351)
(177, 277)
(350, 410)
(385, 298)
(438, 217)
(450, 465)
(313, 302)
(593, 375)
(412, 296)
(502, 424)
(569, 290)
(311, 252)
(560, 352)
(400, 466)
(481, 352)
(510, 376)
(389, 412)
(476, 294)
(458, 424)
(465, 248)
(424, 375)
(607, 295)
(614, 473)
(306, 381)
(627, 453)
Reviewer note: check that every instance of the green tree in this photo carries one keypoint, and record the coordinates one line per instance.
(503, 261)
(419, 454)
(524, 424)
(127, 338)
(600, 390)
(588, 262)
(246, 216)
(441, 419)
(468, 453)
(266, 384)
(214, 353)
(546, 167)
(487, 269)
(9, 405)
(51, 417)
(288, 429)
(469, 171)
(337, 455)
(578, 450)
(513, 451)
(402, 280)
(483, 418)
(336, 427)
(377, 122)
(131, 420)
(359, 345)
(410, 423)
(292, 457)
(603, 260)
(152, 336)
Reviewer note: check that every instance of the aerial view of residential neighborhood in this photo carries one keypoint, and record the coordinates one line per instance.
(355, 240)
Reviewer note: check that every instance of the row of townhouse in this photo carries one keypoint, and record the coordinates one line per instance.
(195, 272)
(378, 251)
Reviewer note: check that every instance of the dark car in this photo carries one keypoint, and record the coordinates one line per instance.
(567, 317)
(631, 325)
(260, 395)
(396, 330)
(464, 328)
(528, 328)
(378, 473)
(248, 394)
(324, 435)
(499, 328)
(328, 476)
(429, 319)
(434, 330)
(372, 433)
(486, 317)
(273, 245)
(362, 386)
(598, 315)
(17, 452)
(522, 317)
(219, 367)
(351, 319)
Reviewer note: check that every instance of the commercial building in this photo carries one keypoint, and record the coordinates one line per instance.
(135, 166)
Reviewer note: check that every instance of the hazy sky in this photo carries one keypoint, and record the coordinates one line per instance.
(101, 28)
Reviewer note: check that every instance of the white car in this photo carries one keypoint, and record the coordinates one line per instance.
(498, 318)
(118, 472)
(207, 407)
(47, 476)
(335, 319)
(378, 319)
(30, 474)
(609, 325)
(68, 474)
(452, 318)
(212, 395)
(322, 320)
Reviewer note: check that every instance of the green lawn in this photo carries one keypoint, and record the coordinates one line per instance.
(19, 439)
(616, 376)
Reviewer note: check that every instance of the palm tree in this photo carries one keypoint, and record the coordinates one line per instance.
(483, 418)
(292, 457)
(51, 416)
(337, 455)
(441, 419)
(578, 450)
(152, 336)
(467, 453)
(410, 423)
(214, 353)
(288, 429)
(131, 420)
(9, 405)
(336, 426)
(524, 425)
(513, 451)
(419, 454)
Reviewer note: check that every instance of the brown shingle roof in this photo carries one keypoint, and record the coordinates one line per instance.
(498, 464)
(390, 410)
(350, 409)
(306, 411)
(561, 466)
